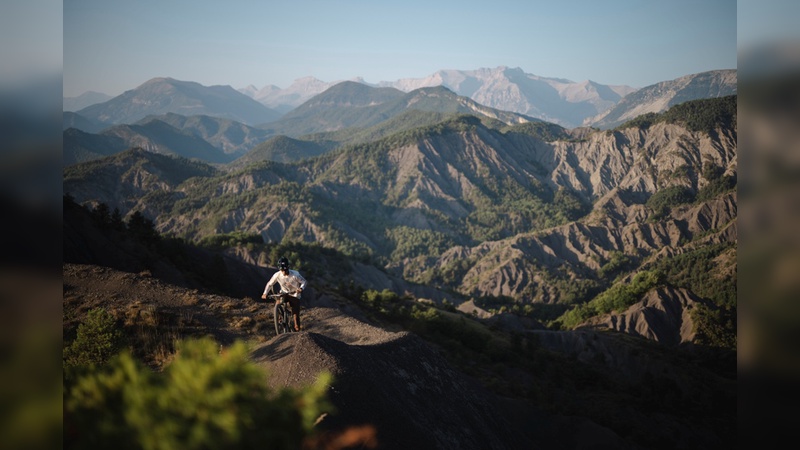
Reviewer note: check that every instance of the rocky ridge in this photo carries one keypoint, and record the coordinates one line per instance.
(661, 96)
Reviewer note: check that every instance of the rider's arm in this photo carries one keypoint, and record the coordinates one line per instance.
(269, 285)
(301, 280)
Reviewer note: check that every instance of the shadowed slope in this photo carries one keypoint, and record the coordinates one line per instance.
(395, 382)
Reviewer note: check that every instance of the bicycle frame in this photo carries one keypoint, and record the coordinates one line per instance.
(282, 316)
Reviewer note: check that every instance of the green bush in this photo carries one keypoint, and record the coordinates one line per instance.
(98, 340)
(205, 399)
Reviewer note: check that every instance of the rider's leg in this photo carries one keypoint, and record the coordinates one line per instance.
(294, 302)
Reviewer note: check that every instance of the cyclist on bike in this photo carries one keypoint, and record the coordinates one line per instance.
(292, 285)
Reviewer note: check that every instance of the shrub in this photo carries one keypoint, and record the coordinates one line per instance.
(204, 399)
(98, 340)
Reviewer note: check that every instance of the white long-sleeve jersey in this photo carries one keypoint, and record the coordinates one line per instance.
(289, 283)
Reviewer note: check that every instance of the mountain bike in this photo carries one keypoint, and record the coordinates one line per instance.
(282, 315)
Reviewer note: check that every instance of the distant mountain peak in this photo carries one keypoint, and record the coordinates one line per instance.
(511, 89)
(88, 98)
(163, 95)
(661, 96)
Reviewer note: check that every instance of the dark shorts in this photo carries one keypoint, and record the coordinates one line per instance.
(294, 303)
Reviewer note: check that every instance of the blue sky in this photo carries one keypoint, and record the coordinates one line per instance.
(111, 46)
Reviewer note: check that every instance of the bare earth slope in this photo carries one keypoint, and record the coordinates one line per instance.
(393, 381)
(398, 384)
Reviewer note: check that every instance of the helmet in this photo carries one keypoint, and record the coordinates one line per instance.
(283, 263)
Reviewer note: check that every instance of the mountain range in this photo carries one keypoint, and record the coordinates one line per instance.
(564, 102)
(345, 113)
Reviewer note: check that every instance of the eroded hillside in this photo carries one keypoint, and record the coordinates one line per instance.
(510, 217)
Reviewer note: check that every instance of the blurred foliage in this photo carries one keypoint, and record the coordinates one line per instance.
(31, 389)
(206, 398)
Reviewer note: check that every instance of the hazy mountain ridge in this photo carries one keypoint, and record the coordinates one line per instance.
(347, 112)
(285, 100)
(355, 105)
(210, 139)
(661, 96)
(160, 137)
(84, 100)
(80, 146)
(352, 112)
(75, 120)
(164, 95)
(556, 100)
(233, 138)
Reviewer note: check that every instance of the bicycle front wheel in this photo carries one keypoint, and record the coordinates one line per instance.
(288, 326)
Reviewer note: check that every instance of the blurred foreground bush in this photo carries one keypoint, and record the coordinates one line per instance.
(206, 398)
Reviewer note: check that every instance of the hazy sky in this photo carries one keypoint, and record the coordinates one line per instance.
(111, 46)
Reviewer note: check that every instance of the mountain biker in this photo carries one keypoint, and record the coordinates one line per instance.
(292, 285)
